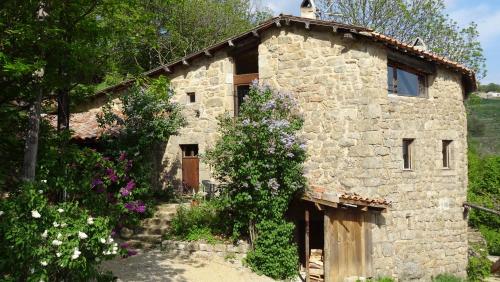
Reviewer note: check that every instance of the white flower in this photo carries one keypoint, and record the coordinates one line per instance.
(58, 254)
(60, 210)
(63, 224)
(97, 259)
(106, 253)
(82, 235)
(1, 213)
(56, 243)
(76, 254)
(90, 220)
(55, 224)
(35, 214)
(59, 235)
(40, 191)
(45, 234)
(44, 263)
(44, 181)
(102, 240)
(110, 240)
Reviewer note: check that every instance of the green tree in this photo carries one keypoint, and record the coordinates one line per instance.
(408, 19)
(491, 87)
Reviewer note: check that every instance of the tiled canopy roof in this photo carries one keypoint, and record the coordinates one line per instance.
(468, 75)
(326, 197)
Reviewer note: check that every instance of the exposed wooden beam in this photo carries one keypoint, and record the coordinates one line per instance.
(230, 43)
(318, 206)
(208, 54)
(308, 25)
(277, 23)
(335, 29)
(255, 33)
(185, 62)
(287, 21)
(321, 202)
(167, 69)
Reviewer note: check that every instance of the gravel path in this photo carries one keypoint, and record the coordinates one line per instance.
(157, 265)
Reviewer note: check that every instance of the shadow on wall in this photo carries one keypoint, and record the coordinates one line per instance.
(169, 176)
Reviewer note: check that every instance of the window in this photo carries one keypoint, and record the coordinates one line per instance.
(446, 151)
(190, 150)
(191, 97)
(241, 92)
(407, 154)
(246, 71)
(404, 81)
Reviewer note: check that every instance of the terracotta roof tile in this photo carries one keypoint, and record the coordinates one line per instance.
(343, 197)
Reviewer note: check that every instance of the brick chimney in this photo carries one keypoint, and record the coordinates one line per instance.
(308, 9)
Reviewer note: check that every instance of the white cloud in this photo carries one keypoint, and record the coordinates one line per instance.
(290, 7)
(487, 19)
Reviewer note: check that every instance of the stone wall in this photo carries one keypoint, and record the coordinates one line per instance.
(211, 81)
(354, 132)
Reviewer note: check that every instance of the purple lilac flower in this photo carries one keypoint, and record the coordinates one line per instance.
(288, 140)
(122, 157)
(112, 175)
(128, 166)
(270, 105)
(96, 182)
(136, 206)
(131, 252)
(124, 245)
(141, 207)
(290, 155)
(124, 192)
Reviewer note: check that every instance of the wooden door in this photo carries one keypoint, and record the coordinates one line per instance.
(347, 246)
(190, 173)
(190, 168)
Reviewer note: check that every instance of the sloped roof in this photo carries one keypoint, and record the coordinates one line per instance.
(468, 75)
(328, 197)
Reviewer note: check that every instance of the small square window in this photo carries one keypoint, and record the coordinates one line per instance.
(446, 151)
(408, 154)
(191, 97)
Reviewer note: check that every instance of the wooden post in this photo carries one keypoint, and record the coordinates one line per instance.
(308, 278)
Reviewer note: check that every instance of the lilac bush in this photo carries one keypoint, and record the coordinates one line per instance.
(258, 163)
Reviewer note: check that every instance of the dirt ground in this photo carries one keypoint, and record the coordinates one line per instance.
(158, 265)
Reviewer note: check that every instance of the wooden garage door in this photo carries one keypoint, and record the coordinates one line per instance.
(347, 244)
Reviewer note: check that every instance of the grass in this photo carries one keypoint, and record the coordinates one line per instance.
(484, 126)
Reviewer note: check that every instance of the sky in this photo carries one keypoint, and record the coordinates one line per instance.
(486, 13)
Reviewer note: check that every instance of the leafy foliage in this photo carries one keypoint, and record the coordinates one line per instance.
(258, 163)
(43, 241)
(483, 123)
(491, 87)
(408, 19)
(479, 265)
(447, 278)
(202, 222)
(484, 189)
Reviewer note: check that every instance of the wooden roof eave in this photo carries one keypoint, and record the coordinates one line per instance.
(364, 206)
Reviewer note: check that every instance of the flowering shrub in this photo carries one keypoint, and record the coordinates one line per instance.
(258, 162)
(44, 242)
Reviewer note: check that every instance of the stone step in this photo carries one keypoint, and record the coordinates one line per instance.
(138, 244)
(156, 230)
(155, 222)
(148, 238)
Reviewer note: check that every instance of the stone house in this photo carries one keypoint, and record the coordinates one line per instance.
(386, 131)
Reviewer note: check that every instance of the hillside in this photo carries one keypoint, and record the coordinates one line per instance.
(484, 125)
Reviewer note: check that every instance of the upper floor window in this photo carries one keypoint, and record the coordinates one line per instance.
(246, 71)
(405, 81)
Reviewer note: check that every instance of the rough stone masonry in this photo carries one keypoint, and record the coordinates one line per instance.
(354, 133)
